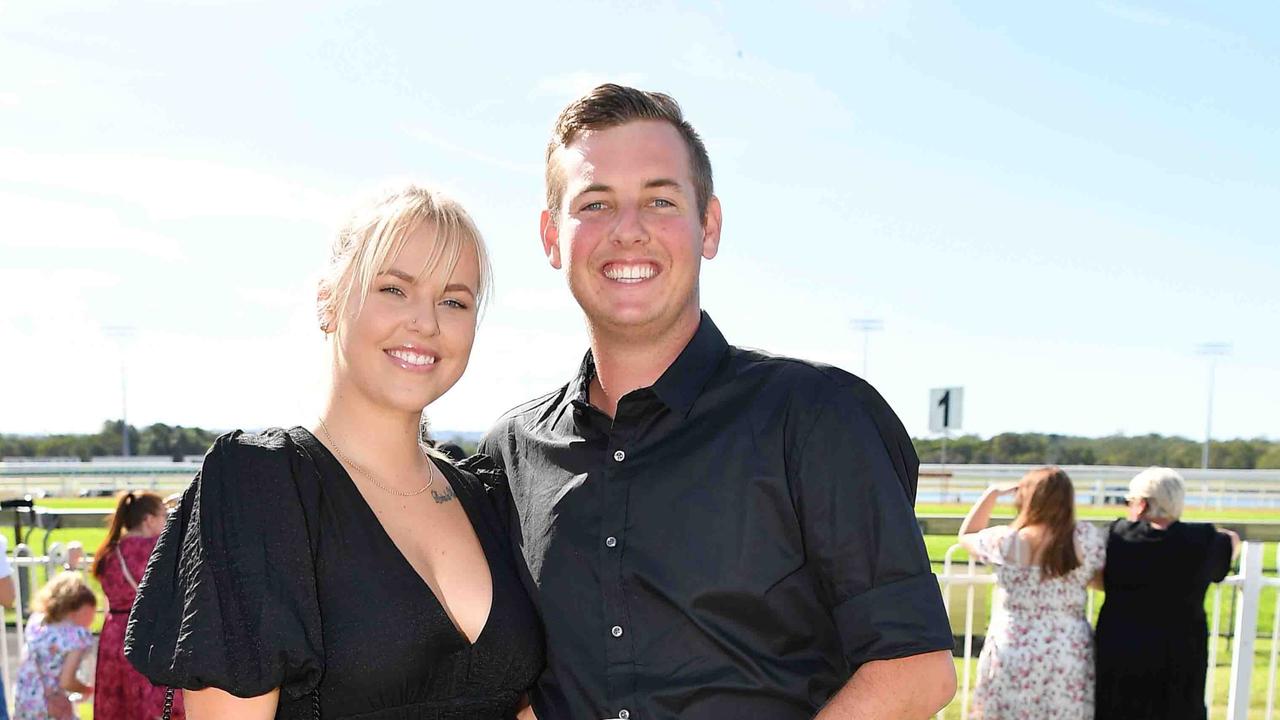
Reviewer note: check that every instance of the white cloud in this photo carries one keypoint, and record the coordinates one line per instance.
(428, 136)
(571, 85)
(168, 188)
(33, 222)
(1138, 15)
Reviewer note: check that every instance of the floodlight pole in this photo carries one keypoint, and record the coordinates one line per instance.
(122, 334)
(1213, 350)
(867, 326)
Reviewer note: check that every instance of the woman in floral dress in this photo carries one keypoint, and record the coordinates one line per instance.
(122, 692)
(1037, 660)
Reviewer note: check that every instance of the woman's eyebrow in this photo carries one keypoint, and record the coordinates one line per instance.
(393, 272)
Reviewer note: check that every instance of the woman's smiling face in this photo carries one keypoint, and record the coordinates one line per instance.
(408, 341)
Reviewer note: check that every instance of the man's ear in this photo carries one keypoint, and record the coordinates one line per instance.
(711, 228)
(550, 238)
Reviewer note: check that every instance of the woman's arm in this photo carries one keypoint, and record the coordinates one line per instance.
(1235, 542)
(980, 514)
(1095, 582)
(214, 704)
(67, 679)
(526, 710)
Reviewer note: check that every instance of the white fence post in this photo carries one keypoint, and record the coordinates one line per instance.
(1246, 629)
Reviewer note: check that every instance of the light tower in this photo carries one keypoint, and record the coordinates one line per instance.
(122, 334)
(1213, 350)
(867, 326)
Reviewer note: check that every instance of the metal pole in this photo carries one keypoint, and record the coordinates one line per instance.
(1213, 350)
(867, 326)
(122, 334)
(124, 411)
(1208, 418)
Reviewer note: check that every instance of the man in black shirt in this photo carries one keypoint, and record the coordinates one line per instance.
(711, 533)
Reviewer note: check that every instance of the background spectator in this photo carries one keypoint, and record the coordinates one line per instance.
(1152, 635)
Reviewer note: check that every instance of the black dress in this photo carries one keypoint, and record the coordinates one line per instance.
(275, 573)
(1152, 638)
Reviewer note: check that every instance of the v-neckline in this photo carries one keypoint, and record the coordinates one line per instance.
(467, 511)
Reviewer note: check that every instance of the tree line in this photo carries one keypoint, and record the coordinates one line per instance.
(1139, 450)
(172, 441)
(159, 439)
(176, 441)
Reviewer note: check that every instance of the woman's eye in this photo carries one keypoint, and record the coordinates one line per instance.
(393, 290)
(457, 304)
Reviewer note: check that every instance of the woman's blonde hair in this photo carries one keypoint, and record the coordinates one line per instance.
(63, 595)
(1163, 489)
(375, 234)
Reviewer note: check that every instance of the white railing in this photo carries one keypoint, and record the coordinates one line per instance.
(1247, 585)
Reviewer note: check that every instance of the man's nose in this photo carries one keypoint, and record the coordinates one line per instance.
(630, 227)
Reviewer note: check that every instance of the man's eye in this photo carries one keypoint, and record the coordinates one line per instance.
(593, 206)
(663, 203)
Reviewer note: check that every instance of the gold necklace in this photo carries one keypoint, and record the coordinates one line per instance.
(341, 455)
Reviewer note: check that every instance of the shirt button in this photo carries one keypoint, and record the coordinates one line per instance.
(611, 541)
(623, 714)
(619, 456)
(616, 631)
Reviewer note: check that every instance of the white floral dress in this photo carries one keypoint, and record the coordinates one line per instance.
(45, 650)
(1037, 660)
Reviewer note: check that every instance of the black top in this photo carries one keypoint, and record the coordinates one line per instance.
(734, 544)
(275, 572)
(1152, 637)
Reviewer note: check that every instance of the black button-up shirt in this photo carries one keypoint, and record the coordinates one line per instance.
(733, 544)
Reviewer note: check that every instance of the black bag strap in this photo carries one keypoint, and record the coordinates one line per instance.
(168, 704)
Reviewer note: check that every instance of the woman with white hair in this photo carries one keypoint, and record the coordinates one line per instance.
(1152, 638)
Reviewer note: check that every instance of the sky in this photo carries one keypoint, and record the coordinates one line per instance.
(1047, 204)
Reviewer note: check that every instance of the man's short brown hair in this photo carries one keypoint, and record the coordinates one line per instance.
(609, 106)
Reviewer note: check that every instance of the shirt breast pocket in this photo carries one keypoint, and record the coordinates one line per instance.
(735, 538)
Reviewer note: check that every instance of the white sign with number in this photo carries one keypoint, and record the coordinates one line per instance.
(946, 409)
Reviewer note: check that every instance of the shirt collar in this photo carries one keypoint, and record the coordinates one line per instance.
(683, 380)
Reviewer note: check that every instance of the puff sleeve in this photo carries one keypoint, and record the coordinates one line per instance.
(229, 595)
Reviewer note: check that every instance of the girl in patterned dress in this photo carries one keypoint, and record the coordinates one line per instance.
(1037, 658)
(57, 638)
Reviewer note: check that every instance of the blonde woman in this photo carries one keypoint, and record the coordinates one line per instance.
(341, 570)
(1037, 659)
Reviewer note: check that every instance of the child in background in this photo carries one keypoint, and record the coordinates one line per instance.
(56, 640)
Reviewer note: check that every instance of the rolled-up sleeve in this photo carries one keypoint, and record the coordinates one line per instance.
(854, 476)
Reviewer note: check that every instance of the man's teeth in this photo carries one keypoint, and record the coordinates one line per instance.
(412, 358)
(629, 273)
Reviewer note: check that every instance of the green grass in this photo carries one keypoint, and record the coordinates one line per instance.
(1089, 512)
(1221, 683)
(95, 503)
(936, 546)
